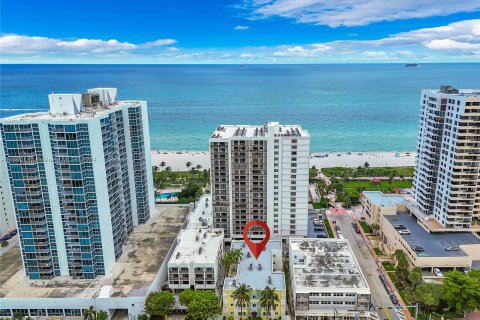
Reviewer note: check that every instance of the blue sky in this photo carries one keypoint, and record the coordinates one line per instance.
(243, 31)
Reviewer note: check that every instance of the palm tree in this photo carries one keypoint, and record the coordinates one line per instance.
(188, 165)
(226, 262)
(90, 314)
(102, 315)
(168, 169)
(198, 167)
(242, 296)
(268, 299)
(162, 164)
(236, 255)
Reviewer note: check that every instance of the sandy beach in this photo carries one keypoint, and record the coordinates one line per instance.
(177, 160)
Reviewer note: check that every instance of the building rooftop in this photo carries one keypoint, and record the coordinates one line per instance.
(249, 131)
(132, 274)
(261, 272)
(456, 92)
(325, 264)
(199, 242)
(68, 107)
(434, 244)
(384, 200)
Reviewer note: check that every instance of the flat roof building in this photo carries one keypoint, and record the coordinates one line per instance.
(259, 273)
(260, 173)
(327, 280)
(195, 261)
(136, 273)
(80, 178)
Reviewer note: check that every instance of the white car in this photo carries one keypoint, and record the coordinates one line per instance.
(404, 232)
(437, 272)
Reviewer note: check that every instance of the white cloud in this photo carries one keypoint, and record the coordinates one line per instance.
(301, 51)
(246, 56)
(449, 44)
(21, 44)
(376, 55)
(355, 12)
(239, 27)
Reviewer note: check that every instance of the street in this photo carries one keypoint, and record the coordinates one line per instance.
(380, 296)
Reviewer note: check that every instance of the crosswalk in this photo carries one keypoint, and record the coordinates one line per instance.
(399, 312)
(374, 315)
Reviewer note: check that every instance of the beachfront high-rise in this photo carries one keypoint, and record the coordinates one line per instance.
(80, 179)
(260, 173)
(447, 168)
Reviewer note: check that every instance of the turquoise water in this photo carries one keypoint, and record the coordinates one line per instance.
(349, 107)
(165, 195)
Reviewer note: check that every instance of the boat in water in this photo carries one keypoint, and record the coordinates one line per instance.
(412, 65)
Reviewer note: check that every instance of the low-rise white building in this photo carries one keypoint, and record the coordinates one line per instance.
(327, 280)
(195, 261)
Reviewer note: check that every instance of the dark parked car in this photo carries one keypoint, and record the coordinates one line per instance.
(354, 225)
(393, 299)
(399, 226)
(357, 230)
(418, 249)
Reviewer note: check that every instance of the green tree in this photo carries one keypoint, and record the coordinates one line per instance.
(375, 228)
(232, 258)
(162, 164)
(18, 316)
(168, 169)
(268, 299)
(462, 293)
(242, 297)
(401, 272)
(226, 262)
(4, 243)
(90, 313)
(428, 295)
(312, 173)
(188, 165)
(204, 305)
(159, 303)
(366, 165)
(142, 316)
(102, 315)
(415, 278)
(186, 296)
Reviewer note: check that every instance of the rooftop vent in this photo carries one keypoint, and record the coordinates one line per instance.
(177, 255)
(448, 89)
(200, 250)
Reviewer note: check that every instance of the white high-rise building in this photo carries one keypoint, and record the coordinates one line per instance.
(80, 178)
(260, 173)
(447, 169)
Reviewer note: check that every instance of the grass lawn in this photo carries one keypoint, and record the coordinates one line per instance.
(329, 228)
(368, 172)
(378, 252)
(354, 186)
(320, 205)
(365, 227)
(388, 266)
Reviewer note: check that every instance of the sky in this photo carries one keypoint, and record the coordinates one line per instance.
(239, 31)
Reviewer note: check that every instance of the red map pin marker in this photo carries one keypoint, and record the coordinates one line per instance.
(256, 248)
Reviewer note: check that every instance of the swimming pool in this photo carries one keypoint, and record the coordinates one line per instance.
(166, 195)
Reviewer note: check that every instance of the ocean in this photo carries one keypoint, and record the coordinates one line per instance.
(345, 107)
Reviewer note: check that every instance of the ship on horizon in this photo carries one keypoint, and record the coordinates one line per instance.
(414, 64)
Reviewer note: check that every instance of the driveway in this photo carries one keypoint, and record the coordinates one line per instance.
(369, 267)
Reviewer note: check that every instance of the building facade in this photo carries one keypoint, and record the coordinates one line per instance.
(195, 261)
(327, 281)
(447, 169)
(260, 173)
(80, 177)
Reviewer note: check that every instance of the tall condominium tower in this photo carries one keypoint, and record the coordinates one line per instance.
(260, 173)
(447, 178)
(80, 179)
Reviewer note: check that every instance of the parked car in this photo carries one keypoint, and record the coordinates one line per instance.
(393, 299)
(357, 230)
(354, 225)
(404, 232)
(337, 228)
(417, 249)
(399, 226)
(339, 232)
(437, 272)
(452, 248)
